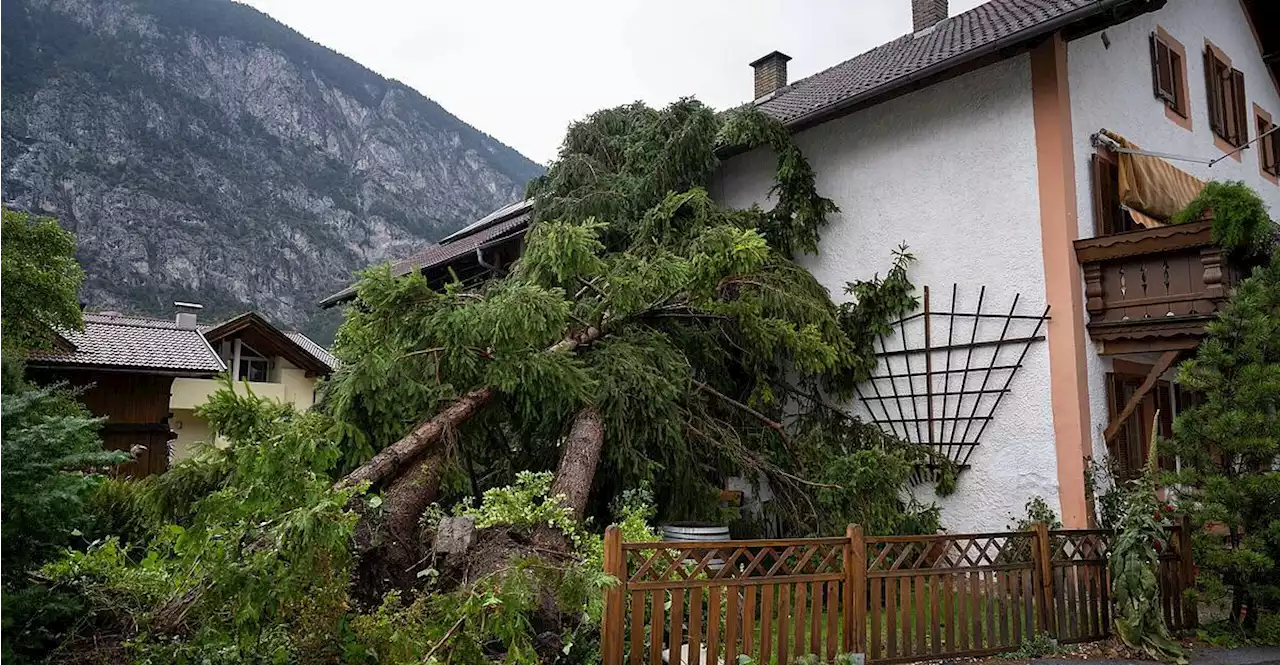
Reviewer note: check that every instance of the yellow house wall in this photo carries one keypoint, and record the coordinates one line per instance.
(289, 385)
(191, 429)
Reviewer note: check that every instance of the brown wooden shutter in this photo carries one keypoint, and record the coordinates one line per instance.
(1177, 95)
(1241, 110)
(1104, 192)
(1118, 446)
(1274, 138)
(1163, 73)
(1213, 93)
(1155, 64)
(1164, 402)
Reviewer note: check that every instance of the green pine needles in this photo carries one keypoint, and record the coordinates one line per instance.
(1227, 443)
(707, 351)
(716, 344)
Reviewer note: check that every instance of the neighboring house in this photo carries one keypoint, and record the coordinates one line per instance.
(473, 252)
(988, 142)
(147, 376)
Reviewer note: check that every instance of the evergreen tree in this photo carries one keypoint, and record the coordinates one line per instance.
(1228, 445)
(683, 330)
(51, 449)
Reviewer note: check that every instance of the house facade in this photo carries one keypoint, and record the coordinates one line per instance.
(988, 169)
(1009, 147)
(148, 376)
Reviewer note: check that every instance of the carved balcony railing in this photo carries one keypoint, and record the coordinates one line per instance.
(1153, 289)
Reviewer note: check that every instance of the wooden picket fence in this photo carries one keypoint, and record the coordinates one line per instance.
(893, 598)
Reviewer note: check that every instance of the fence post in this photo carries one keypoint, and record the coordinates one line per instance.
(612, 624)
(855, 590)
(1188, 572)
(1044, 570)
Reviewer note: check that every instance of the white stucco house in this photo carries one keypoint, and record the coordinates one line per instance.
(972, 139)
(1005, 146)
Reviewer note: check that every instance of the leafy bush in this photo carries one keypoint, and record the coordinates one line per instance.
(1041, 645)
(1241, 224)
(51, 450)
(258, 568)
(1036, 510)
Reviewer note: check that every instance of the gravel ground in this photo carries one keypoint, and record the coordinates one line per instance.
(1200, 656)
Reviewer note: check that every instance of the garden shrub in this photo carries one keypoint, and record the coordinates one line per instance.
(1241, 224)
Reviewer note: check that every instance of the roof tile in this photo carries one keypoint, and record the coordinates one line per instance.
(110, 340)
(908, 54)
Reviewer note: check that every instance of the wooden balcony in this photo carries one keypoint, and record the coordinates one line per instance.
(1154, 289)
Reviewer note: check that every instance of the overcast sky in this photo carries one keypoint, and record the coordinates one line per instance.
(521, 70)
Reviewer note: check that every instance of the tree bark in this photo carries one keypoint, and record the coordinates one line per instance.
(578, 461)
(390, 540)
(407, 497)
(576, 472)
(389, 463)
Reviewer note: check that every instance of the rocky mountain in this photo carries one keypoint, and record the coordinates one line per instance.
(200, 150)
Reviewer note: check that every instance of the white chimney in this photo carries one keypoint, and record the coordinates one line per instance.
(187, 312)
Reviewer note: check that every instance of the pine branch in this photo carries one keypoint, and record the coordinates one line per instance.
(765, 420)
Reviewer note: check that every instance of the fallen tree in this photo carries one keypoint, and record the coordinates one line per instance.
(650, 342)
(683, 324)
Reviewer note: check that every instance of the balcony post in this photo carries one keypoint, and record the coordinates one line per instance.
(1093, 287)
(1211, 260)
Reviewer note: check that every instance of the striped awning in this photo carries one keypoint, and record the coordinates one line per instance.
(1152, 189)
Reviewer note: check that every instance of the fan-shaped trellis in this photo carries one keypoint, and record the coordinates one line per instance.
(941, 387)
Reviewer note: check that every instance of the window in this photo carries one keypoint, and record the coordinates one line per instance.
(1268, 145)
(1109, 216)
(1168, 72)
(1129, 447)
(253, 365)
(1225, 92)
(254, 369)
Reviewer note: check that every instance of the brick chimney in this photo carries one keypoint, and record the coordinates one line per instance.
(771, 73)
(926, 13)
(187, 312)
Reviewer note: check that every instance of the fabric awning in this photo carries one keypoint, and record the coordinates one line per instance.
(1152, 189)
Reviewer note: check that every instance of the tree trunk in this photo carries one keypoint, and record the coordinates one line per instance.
(389, 463)
(576, 472)
(390, 540)
(395, 457)
(407, 497)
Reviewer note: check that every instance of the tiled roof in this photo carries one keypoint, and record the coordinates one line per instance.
(437, 255)
(504, 222)
(883, 67)
(322, 354)
(112, 340)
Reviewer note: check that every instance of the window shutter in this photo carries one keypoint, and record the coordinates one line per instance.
(1164, 402)
(1274, 138)
(1155, 66)
(1163, 71)
(1213, 93)
(1176, 93)
(1241, 135)
(1104, 191)
(1118, 447)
